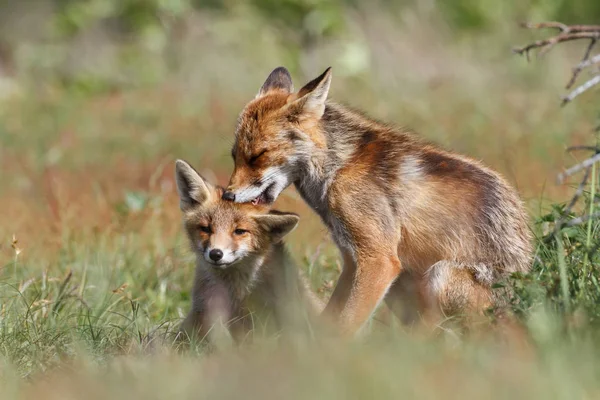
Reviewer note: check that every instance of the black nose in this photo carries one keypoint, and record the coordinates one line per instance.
(215, 254)
(228, 196)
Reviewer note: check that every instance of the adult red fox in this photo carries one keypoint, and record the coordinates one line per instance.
(396, 206)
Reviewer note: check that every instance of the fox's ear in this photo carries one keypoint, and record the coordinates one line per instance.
(192, 188)
(279, 79)
(311, 98)
(277, 224)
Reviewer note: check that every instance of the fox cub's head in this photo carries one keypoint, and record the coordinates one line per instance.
(276, 137)
(221, 232)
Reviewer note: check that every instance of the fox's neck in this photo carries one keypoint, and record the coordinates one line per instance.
(341, 130)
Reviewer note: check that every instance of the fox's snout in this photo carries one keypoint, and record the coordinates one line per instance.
(263, 187)
(237, 182)
(222, 255)
(215, 254)
(228, 195)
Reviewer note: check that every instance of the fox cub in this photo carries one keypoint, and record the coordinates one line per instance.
(399, 209)
(242, 266)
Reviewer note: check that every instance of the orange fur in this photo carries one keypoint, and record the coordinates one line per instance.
(391, 201)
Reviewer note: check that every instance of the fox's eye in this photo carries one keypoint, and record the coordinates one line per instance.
(255, 158)
(240, 232)
(205, 229)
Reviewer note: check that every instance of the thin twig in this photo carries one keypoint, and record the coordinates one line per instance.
(546, 45)
(585, 62)
(595, 149)
(567, 33)
(578, 192)
(570, 33)
(558, 225)
(576, 168)
(582, 219)
(540, 25)
(580, 89)
(562, 27)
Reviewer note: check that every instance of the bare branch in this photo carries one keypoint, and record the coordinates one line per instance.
(588, 148)
(583, 182)
(546, 45)
(585, 62)
(562, 27)
(566, 33)
(589, 63)
(560, 223)
(581, 220)
(580, 89)
(558, 25)
(578, 192)
(576, 168)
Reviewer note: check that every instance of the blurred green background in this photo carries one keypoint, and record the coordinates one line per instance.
(177, 67)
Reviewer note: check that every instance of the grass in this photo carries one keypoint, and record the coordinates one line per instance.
(95, 272)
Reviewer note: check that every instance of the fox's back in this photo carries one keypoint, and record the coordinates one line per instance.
(445, 205)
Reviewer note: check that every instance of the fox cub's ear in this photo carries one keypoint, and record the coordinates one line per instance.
(278, 224)
(192, 189)
(279, 79)
(311, 98)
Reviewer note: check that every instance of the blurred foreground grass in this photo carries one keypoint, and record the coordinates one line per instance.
(94, 269)
(382, 368)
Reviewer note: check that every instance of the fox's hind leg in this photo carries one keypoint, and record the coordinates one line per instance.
(459, 289)
(405, 297)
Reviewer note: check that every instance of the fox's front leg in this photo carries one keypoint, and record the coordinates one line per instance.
(194, 326)
(373, 277)
(362, 287)
(211, 304)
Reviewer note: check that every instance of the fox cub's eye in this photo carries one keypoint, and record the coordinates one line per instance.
(255, 157)
(205, 229)
(240, 231)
